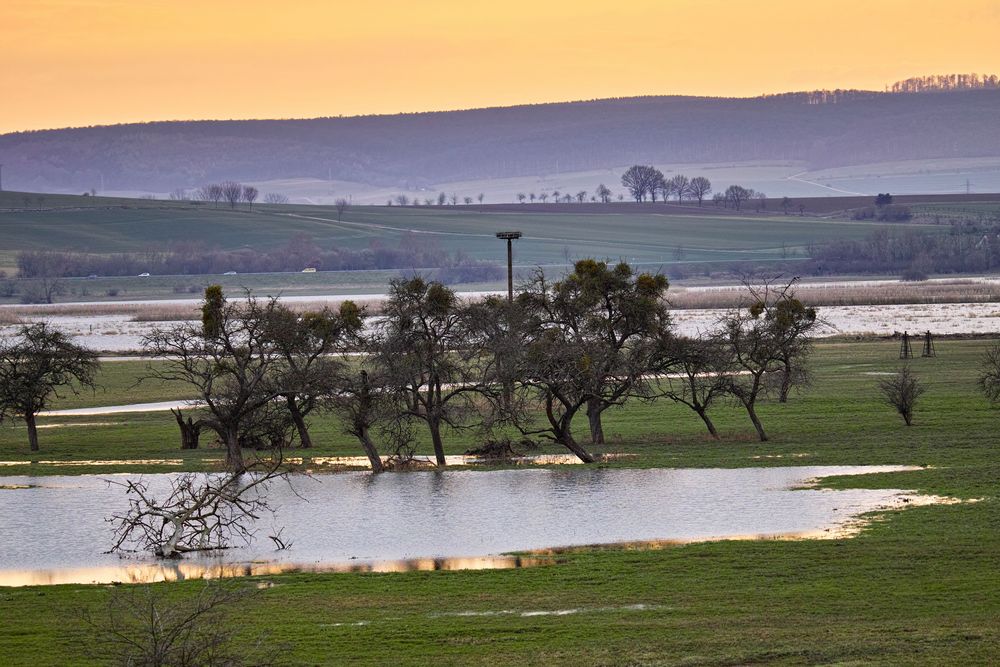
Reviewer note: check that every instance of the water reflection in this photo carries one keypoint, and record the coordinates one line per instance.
(354, 521)
(147, 573)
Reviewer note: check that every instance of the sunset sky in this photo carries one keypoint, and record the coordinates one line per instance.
(84, 62)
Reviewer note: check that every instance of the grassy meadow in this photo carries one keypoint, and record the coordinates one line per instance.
(919, 586)
(643, 234)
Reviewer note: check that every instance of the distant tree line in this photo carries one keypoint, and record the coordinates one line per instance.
(965, 248)
(299, 253)
(946, 82)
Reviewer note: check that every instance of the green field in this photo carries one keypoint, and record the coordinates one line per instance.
(99, 226)
(921, 586)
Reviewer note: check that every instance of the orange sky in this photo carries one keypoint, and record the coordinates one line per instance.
(83, 62)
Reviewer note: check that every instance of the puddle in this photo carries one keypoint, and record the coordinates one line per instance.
(157, 406)
(354, 521)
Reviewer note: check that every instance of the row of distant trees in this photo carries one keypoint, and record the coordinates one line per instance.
(596, 339)
(442, 199)
(300, 252)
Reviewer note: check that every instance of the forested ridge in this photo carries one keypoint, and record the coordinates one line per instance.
(823, 129)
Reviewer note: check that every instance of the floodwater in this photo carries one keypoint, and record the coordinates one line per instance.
(53, 529)
(118, 333)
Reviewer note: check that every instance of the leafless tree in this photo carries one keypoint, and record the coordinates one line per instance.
(467, 200)
(693, 372)
(232, 192)
(679, 187)
(989, 378)
(231, 361)
(35, 365)
(589, 341)
(402, 200)
(212, 192)
(642, 181)
(736, 195)
(199, 512)
(306, 342)
(604, 193)
(700, 187)
(178, 194)
(544, 197)
(453, 199)
(760, 336)
(481, 197)
(341, 205)
(420, 351)
(275, 198)
(521, 197)
(581, 196)
(901, 392)
(250, 194)
(151, 626)
(442, 199)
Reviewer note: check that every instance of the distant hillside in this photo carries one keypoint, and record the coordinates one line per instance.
(415, 150)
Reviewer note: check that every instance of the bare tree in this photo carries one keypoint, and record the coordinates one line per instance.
(700, 187)
(34, 366)
(305, 342)
(736, 195)
(901, 392)
(442, 199)
(341, 205)
(402, 200)
(420, 351)
(604, 193)
(642, 181)
(581, 196)
(694, 372)
(679, 186)
(275, 198)
(152, 626)
(232, 192)
(544, 197)
(989, 378)
(481, 197)
(760, 335)
(453, 199)
(467, 200)
(250, 195)
(521, 197)
(199, 512)
(231, 361)
(589, 342)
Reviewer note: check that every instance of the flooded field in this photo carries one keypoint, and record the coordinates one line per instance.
(120, 333)
(53, 529)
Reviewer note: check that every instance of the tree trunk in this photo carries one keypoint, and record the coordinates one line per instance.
(234, 453)
(32, 431)
(300, 423)
(786, 383)
(594, 410)
(756, 422)
(567, 440)
(435, 427)
(190, 431)
(703, 413)
(370, 450)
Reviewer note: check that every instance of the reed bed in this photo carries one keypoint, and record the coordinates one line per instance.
(847, 294)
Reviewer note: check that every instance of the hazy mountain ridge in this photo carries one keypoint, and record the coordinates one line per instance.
(409, 150)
